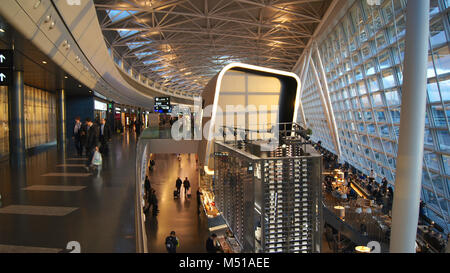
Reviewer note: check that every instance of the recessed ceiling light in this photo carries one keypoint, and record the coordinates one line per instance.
(90, 91)
(44, 62)
(65, 77)
(79, 85)
(2, 30)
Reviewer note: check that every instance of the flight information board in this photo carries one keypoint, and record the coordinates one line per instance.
(162, 105)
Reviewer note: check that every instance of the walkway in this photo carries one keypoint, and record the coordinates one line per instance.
(180, 215)
(53, 200)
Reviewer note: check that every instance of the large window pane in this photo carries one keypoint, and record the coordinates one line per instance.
(365, 102)
(442, 60)
(395, 114)
(392, 98)
(388, 79)
(428, 138)
(373, 84)
(380, 115)
(370, 67)
(361, 88)
(432, 160)
(377, 100)
(438, 116)
(445, 89)
(384, 130)
(437, 33)
(433, 92)
(446, 160)
(385, 60)
(444, 140)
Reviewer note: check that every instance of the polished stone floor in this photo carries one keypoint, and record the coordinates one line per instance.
(180, 215)
(53, 200)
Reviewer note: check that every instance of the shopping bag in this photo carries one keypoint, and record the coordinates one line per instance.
(97, 159)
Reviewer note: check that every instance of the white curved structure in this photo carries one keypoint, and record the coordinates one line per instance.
(250, 86)
(70, 35)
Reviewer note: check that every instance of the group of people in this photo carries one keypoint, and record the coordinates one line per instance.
(211, 245)
(151, 200)
(382, 193)
(91, 138)
(186, 184)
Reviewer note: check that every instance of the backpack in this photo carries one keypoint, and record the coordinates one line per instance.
(170, 244)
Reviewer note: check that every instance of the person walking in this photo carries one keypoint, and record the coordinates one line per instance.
(91, 140)
(137, 125)
(152, 164)
(154, 202)
(104, 136)
(172, 243)
(77, 136)
(211, 244)
(186, 185)
(178, 184)
(83, 136)
(147, 186)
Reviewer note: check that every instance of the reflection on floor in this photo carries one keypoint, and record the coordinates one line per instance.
(51, 201)
(181, 215)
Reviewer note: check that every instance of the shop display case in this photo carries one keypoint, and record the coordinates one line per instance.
(270, 200)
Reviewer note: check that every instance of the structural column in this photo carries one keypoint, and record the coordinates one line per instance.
(405, 212)
(16, 119)
(326, 92)
(61, 118)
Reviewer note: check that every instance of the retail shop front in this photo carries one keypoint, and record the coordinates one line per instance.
(100, 109)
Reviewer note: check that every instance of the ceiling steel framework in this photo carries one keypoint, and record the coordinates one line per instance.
(181, 44)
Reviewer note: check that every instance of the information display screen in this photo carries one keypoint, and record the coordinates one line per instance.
(162, 105)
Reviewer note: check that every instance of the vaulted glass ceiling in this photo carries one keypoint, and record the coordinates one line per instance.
(182, 44)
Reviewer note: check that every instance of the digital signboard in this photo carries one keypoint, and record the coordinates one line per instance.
(162, 105)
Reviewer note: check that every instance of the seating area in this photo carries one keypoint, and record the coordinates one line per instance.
(366, 205)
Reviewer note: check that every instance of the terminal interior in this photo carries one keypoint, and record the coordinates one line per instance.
(244, 126)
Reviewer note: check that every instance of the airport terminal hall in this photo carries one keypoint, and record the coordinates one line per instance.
(215, 134)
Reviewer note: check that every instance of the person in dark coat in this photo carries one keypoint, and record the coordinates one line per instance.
(186, 185)
(83, 136)
(77, 136)
(172, 243)
(91, 140)
(147, 186)
(104, 136)
(178, 184)
(211, 244)
(137, 125)
(154, 202)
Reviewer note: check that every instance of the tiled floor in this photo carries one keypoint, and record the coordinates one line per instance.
(180, 215)
(53, 200)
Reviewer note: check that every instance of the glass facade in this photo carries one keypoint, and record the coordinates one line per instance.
(4, 127)
(40, 117)
(363, 58)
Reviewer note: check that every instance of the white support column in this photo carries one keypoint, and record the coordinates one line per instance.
(300, 72)
(328, 101)
(302, 83)
(405, 212)
(300, 108)
(305, 71)
(324, 103)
